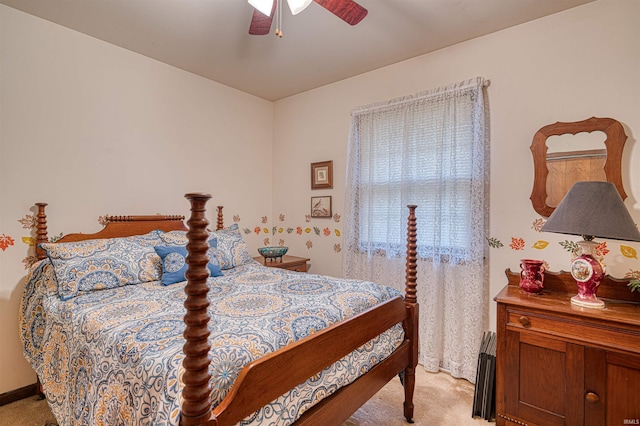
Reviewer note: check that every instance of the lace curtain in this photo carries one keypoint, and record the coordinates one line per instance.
(429, 149)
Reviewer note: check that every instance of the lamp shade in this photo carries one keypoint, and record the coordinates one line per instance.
(593, 209)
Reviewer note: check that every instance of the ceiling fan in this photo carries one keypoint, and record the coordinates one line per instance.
(347, 10)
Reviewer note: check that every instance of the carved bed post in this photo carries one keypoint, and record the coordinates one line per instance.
(220, 222)
(196, 405)
(411, 302)
(41, 230)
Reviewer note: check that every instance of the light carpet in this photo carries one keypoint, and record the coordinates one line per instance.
(439, 400)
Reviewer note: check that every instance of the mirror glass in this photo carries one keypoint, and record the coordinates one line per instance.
(573, 158)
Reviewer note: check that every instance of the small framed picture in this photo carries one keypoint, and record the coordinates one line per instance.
(322, 175)
(321, 206)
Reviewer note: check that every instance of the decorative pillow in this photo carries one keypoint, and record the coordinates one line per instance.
(90, 265)
(232, 250)
(174, 263)
(175, 238)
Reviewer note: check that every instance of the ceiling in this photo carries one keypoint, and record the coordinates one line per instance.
(210, 37)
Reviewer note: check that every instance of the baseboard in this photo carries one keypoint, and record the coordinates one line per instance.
(18, 394)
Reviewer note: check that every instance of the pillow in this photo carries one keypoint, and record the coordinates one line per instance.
(176, 238)
(90, 265)
(174, 264)
(232, 250)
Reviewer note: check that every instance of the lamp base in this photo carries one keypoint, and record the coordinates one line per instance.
(592, 302)
(588, 273)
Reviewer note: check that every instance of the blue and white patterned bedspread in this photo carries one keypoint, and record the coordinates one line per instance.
(113, 357)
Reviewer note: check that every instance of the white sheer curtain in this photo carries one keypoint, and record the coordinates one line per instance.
(429, 149)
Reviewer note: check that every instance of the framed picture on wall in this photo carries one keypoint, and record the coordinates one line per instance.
(321, 206)
(322, 175)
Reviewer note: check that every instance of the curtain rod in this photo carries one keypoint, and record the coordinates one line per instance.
(449, 88)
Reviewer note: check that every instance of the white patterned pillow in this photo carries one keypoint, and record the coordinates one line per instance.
(90, 265)
(174, 238)
(232, 250)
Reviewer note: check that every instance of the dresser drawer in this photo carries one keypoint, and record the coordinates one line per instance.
(579, 329)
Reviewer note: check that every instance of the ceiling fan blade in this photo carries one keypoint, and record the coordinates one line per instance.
(347, 10)
(261, 23)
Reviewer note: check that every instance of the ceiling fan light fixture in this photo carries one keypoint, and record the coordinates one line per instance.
(298, 6)
(263, 6)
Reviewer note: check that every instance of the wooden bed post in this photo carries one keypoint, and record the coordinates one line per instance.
(196, 405)
(220, 222)
(41, 230)
(411, 302)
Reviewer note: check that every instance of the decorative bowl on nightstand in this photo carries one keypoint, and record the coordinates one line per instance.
(272, 252)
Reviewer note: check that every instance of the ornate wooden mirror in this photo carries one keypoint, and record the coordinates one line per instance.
(563, 162)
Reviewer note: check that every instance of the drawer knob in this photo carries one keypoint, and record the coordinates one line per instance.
(524, 321)
(592, 397)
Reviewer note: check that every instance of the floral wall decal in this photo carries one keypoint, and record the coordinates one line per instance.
(628, 252)
(540, 244)
(517, 243)
(282, 230)
(5, 241)
(28, 261)
(603, 249)
(570, 246)
(28, 222)
(494, 242)
(537, 224)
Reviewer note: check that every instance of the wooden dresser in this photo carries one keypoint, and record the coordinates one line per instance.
(291, 263)
(558, 364)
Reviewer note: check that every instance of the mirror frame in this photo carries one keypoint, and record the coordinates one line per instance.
(614, 144)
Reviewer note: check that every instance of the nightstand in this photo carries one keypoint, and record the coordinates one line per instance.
(292, 263)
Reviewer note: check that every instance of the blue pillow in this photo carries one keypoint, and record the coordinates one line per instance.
(174, 262)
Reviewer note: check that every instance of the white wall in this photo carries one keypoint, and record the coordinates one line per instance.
(93, 129)
(570, 66)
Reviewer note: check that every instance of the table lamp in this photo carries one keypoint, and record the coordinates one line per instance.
(591, 209)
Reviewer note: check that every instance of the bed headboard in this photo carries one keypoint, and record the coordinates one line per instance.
(116, 226)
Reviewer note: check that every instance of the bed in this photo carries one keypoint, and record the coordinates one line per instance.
(234, 343)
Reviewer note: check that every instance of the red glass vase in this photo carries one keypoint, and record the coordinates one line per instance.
(532, 275)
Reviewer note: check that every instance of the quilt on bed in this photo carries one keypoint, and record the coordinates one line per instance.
(113, 357)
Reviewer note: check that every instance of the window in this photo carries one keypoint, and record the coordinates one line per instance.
(418, 150)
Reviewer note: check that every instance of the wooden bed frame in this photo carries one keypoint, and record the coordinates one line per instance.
(262, 381)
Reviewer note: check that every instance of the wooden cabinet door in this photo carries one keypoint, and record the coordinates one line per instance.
(546, 379)
(612, 388)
